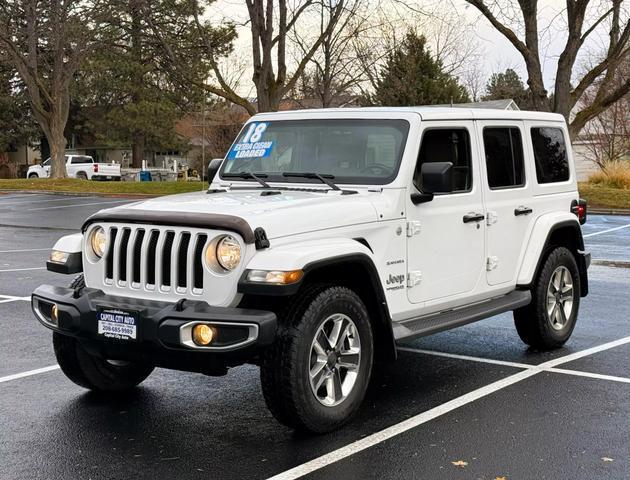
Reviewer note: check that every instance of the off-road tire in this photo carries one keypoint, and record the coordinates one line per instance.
(533, 323)
(91, 372)
(285, 365)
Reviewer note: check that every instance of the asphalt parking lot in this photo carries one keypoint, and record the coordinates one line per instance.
(472, 403)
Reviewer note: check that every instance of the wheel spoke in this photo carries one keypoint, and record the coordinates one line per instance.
(557, 280)
(335, 334)
(318, 375)
(323, 342)
(336, 380)
(320, 350)
(563, 316)
(349, 360)
(568, 295)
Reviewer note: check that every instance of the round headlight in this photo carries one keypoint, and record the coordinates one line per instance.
(98, 241)
(228, 252)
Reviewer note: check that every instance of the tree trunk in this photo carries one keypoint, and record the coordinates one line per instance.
(137, 137)
(137, 150)
(57, 143)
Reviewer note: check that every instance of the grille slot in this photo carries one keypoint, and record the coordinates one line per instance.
(122, 257)
(137, 256)
(182, 260)
(151, 252)
(154, 258)
(167, 252)
(109, 259)
(198, 262)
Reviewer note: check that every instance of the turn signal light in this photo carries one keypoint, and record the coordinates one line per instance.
(203, 334)
(275, 276)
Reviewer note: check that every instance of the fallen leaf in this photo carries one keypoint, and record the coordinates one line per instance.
(607, 459)
(460, 463)
(500, 478)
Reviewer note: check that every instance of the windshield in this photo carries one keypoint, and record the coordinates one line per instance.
(353, 151)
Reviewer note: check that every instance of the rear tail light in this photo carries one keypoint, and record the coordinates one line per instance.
(96, 168)
(579, 209)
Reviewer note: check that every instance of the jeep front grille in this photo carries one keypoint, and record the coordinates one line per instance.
(155, 259)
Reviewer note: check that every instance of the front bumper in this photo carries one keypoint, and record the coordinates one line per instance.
(163, 330)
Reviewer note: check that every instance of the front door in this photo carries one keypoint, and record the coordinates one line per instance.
(445, 237)
(509, 210)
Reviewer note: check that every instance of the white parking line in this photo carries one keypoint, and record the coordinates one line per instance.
(37, 371)
(466, 357)
(22, 269)
(67, 199)
(27, 250)
(606, 231)
(424, 417)
(580, 373)
(80, 205)
(8, 298)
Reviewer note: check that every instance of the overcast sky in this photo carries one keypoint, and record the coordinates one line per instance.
(496, 52)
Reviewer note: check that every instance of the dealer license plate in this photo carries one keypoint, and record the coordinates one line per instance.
(117, 324)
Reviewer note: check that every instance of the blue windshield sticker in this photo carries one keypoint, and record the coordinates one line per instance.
(251, 145)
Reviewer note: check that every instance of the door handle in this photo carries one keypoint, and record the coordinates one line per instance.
(474, 217)
(522, 211)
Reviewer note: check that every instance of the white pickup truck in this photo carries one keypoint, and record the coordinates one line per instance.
(79, 166)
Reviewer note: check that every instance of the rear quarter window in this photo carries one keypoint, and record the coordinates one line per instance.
(550, 155)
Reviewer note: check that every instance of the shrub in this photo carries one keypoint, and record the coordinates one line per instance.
(615, 175)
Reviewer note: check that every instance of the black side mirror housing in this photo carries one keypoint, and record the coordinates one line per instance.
(213, 168)
(437, 177)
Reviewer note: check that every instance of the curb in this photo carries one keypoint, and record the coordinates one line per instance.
(81, 194)
(611, 263)
(609, 211)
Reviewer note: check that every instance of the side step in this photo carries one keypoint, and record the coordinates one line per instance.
(438, 322)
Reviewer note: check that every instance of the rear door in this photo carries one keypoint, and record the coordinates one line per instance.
(445, 248)
(508, 197)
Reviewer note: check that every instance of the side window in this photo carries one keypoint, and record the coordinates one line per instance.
(504, 157)
(550, 155)
(81, 159)
(447, 145)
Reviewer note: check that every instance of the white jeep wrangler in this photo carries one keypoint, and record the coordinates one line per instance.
(325, 238)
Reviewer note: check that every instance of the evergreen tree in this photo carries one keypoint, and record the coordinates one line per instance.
(17, 125)
(502, 86)
(130, 98)
(411, 76)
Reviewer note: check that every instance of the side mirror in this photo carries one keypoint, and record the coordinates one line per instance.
(213, 168)
(436, 177)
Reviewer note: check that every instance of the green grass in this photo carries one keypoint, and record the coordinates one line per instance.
(605, 197)
(71, 185)
(598, 196)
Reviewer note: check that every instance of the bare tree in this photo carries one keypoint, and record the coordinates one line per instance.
(448, 34)
(333, 71)
(270, 24)
(566, 97)
(607, 136)
(46, 41)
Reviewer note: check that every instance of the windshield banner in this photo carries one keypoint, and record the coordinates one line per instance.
(251, 145)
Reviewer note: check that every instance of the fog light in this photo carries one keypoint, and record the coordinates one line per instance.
(203, 334)
(54, 314)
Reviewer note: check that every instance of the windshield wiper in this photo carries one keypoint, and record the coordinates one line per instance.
(254, 176)
(315, 176)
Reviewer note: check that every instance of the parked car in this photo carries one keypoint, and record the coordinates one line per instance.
(79, 166)
(325, 239)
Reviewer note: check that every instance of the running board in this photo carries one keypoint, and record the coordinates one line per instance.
(438, 322)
